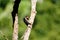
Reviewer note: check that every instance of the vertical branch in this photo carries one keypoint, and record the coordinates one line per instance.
(15, 31)
(15, 19)
(31, 20)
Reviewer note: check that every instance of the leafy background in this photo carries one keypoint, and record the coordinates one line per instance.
(46, 25)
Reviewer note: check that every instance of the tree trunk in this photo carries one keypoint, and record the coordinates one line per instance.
(15, 19)
(15, 32)
(31, 20)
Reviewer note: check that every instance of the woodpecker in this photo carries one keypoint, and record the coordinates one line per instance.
(26, 20)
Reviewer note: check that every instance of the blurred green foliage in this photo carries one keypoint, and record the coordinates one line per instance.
(46, 25)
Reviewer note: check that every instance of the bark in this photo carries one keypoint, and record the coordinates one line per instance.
(15, 32)
(31, 20)
(15, 19)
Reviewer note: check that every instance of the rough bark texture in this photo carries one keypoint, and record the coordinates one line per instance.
(15, 19)
(15, 32)
(31, 20)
